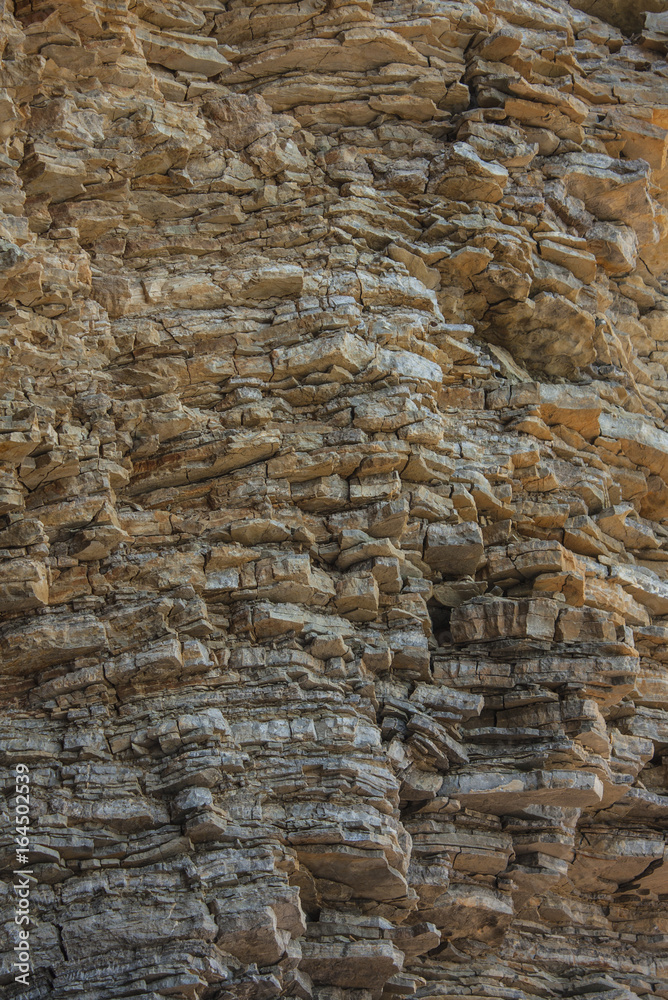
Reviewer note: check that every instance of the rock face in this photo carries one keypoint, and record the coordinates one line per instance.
(334, 497)
(629, 15)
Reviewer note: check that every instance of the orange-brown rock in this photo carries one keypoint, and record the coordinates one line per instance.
(334, 498)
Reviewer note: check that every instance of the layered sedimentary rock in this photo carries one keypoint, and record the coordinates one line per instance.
(335, 497)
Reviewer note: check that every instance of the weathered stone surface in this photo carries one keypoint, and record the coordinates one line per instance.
(334, 497)
(629, 16)
(454, 550)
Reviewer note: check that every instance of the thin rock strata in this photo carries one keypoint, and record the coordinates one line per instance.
(334, 497)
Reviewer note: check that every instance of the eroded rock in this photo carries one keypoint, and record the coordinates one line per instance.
(334, 497)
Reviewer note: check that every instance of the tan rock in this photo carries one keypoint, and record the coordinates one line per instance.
(355, 964)
(455, 550)
(487, 619)
(334, 490)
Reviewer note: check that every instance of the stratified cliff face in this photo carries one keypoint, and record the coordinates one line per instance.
(335, 497)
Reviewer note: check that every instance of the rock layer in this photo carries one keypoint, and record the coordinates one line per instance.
(335, 497)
